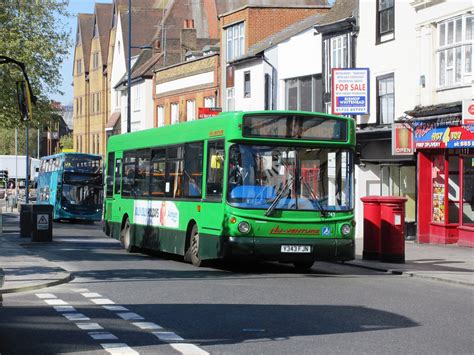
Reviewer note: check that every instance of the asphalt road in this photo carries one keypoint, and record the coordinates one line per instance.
(153, 304)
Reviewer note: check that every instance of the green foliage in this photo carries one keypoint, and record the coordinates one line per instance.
(32, 32)
(7, 141)
(66, 142)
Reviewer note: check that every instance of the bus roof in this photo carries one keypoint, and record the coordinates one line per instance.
(226, 124)
(62, 154)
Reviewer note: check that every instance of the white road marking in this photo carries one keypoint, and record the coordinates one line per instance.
(167, 336)
(102, 336)
(102, 301)
(130, 316)
(188, 349)
(64, 308)
(147, 325)
(89, 326)
(56, 302)
(45, 295)
(91, 295)
(115, 308)
(75, 316)
(118, 348)
(80, 290)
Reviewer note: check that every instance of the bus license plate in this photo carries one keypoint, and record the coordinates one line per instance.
(296, 249)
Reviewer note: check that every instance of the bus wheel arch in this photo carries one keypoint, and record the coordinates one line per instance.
(126, 235)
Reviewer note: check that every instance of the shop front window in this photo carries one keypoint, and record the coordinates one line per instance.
(438, 179)
(468, 191)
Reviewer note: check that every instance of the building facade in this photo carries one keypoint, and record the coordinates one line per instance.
(181, 91)
(443, 133)
(81, 116)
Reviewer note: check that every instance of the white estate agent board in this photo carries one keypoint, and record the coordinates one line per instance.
(350, 91)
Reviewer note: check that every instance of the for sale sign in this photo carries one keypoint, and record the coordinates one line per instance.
(350, 91)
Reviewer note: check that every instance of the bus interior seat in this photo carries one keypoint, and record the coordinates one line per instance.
(253, 192)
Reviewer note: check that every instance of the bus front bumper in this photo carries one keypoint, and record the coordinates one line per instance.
(266, 248)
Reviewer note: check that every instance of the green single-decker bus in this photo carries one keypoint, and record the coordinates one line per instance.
(271, 185)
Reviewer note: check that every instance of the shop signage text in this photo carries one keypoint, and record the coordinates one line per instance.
(402, 139)
(205, 112)
(350, 91)
(428, 136)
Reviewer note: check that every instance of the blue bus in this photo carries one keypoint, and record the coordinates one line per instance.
(72, 183)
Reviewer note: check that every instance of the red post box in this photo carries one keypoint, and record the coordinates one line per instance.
(392, 216)
(372, 231)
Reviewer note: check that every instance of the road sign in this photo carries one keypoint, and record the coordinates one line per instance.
(42, 222)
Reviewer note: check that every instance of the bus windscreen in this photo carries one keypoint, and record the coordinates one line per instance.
(291, 126)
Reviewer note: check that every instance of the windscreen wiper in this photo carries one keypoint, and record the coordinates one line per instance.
(324, 213)
(278, 197)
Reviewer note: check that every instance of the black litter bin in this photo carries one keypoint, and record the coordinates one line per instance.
(42, 221)
(25, 220)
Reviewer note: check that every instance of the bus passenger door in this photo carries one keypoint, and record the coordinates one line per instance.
(109, 191)
(113, 209)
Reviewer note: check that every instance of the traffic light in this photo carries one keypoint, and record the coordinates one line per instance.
(24, 100)
(4, 175)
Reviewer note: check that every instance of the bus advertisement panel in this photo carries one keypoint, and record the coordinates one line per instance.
(72, 183)
(274, 185)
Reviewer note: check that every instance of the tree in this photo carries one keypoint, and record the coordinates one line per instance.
(66, 142)
(34, 33)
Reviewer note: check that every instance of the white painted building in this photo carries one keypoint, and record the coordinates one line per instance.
(444, 39)
(386, 44)
(281, 72)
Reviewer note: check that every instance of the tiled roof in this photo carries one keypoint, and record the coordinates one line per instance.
(226, 6)
(145, 64)
(103, 14)
(144, 22)
(341, 10)
(86, 23)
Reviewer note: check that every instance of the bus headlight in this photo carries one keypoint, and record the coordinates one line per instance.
(243, 227)
(346, 229)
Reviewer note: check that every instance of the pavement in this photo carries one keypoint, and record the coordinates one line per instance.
(21, 270)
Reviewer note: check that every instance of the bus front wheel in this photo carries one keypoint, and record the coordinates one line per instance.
(125, 237)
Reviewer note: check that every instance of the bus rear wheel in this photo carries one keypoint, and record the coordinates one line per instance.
(303, 265)
(125, 237)
(193, 250)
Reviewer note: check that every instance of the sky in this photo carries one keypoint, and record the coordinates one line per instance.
(75, 7)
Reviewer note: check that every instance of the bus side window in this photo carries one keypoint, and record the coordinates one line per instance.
(157, 173)
(142, 177)
(118, 175)
(193, 169)
(215, 169)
